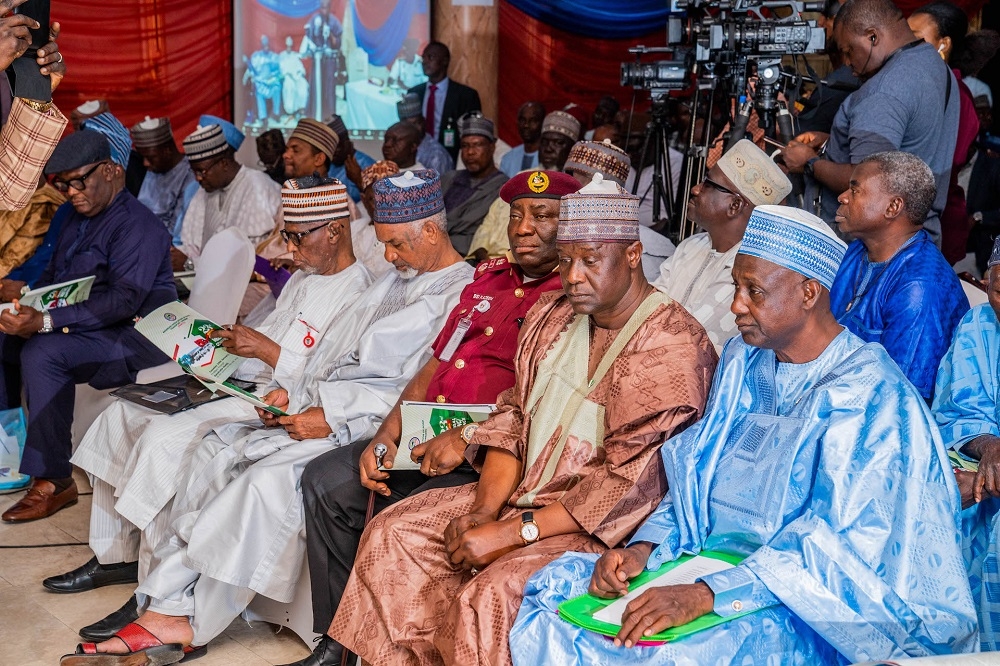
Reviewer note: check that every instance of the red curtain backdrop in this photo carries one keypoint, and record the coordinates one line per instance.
(147, 57)
(544, 64)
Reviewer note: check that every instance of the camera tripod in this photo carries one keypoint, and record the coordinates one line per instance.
(655, 135)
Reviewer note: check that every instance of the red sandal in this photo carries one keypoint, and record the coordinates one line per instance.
(145, 649)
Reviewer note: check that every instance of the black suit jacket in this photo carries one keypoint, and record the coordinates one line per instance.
(460, 100)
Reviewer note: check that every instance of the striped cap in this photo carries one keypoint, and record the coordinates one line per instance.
(474, 124)
(152, 132)
(311, 199)
(410, 197)
(600, 212)
(336, 123)
(563, 123)
(205, 142)
(378, 171)
(605, 158)
(796, 240)
(317, 135)
(410, 106)
(118, 136)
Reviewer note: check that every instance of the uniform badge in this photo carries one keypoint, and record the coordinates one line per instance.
(538, 182)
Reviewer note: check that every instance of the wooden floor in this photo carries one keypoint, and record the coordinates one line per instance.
(38, 626)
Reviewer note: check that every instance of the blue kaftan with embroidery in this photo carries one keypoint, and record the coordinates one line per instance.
(910, 305)
(831, 478)
(967, 405)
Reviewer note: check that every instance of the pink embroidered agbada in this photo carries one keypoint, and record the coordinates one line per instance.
(590, 445)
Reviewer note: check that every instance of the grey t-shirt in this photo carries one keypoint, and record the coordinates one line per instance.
(902, 107)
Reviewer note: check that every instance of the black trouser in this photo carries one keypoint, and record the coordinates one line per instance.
(335, 507)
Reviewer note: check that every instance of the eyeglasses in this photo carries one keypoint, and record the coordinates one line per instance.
(77, 184)
(295, 237)
(201, 173)
(725, 190)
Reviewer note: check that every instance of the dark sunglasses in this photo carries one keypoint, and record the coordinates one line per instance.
(725, 190)
(295, 237)
(77, 184)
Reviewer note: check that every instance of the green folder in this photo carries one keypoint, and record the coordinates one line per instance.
(580, 611)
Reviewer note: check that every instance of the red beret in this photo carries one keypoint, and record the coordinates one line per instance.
(539, 185)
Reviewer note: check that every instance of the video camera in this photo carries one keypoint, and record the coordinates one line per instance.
(723, 36)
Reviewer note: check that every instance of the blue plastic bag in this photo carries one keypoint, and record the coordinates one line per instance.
(13, 430)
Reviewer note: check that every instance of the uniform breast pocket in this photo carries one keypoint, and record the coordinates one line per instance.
(759, 476)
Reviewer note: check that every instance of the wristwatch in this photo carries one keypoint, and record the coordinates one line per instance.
(529, 528)
(46, 323)
(38, 105)
(810, 165)
(468, 431)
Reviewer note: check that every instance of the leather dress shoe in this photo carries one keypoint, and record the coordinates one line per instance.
(93, 574)
(41, 501)
(105, 629)
(326, 653)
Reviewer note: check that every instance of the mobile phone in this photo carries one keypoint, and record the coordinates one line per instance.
(38, 10)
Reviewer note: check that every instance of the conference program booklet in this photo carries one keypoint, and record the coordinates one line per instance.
(604, 616)
(232, 389)
(424, 420)
(958, 461)
(184, 335)
(58, 295)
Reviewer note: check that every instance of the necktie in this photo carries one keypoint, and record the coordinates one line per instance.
(431, 102)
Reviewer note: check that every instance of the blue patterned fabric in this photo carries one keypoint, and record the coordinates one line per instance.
(832, 479)
(910, 306)
(794, 239)
(118, 135)
(234, 137)
(409, 197)
(967, 405)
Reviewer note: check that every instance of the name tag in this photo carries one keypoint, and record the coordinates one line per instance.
(464, 324)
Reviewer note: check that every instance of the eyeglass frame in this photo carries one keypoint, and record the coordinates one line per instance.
(202, 173)
(295, 237)
(58, 183)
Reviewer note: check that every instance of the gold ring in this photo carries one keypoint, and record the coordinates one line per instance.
(433, 470)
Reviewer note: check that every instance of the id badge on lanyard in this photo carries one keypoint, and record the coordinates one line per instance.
(309, 339)
(463, 326)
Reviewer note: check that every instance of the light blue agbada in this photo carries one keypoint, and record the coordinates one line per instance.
(967, 405)
(831, 477)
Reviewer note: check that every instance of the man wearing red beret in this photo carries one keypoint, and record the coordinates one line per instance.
(472, 363)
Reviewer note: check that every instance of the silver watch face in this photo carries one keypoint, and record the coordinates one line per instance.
(529, 532)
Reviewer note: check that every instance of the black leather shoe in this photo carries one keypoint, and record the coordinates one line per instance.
(93, 574)
(104, 629)
(326, 653)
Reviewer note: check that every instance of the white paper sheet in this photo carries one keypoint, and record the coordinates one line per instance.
(683, 574)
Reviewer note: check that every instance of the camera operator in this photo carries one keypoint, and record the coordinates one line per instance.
(31, 127)
(908, 101)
